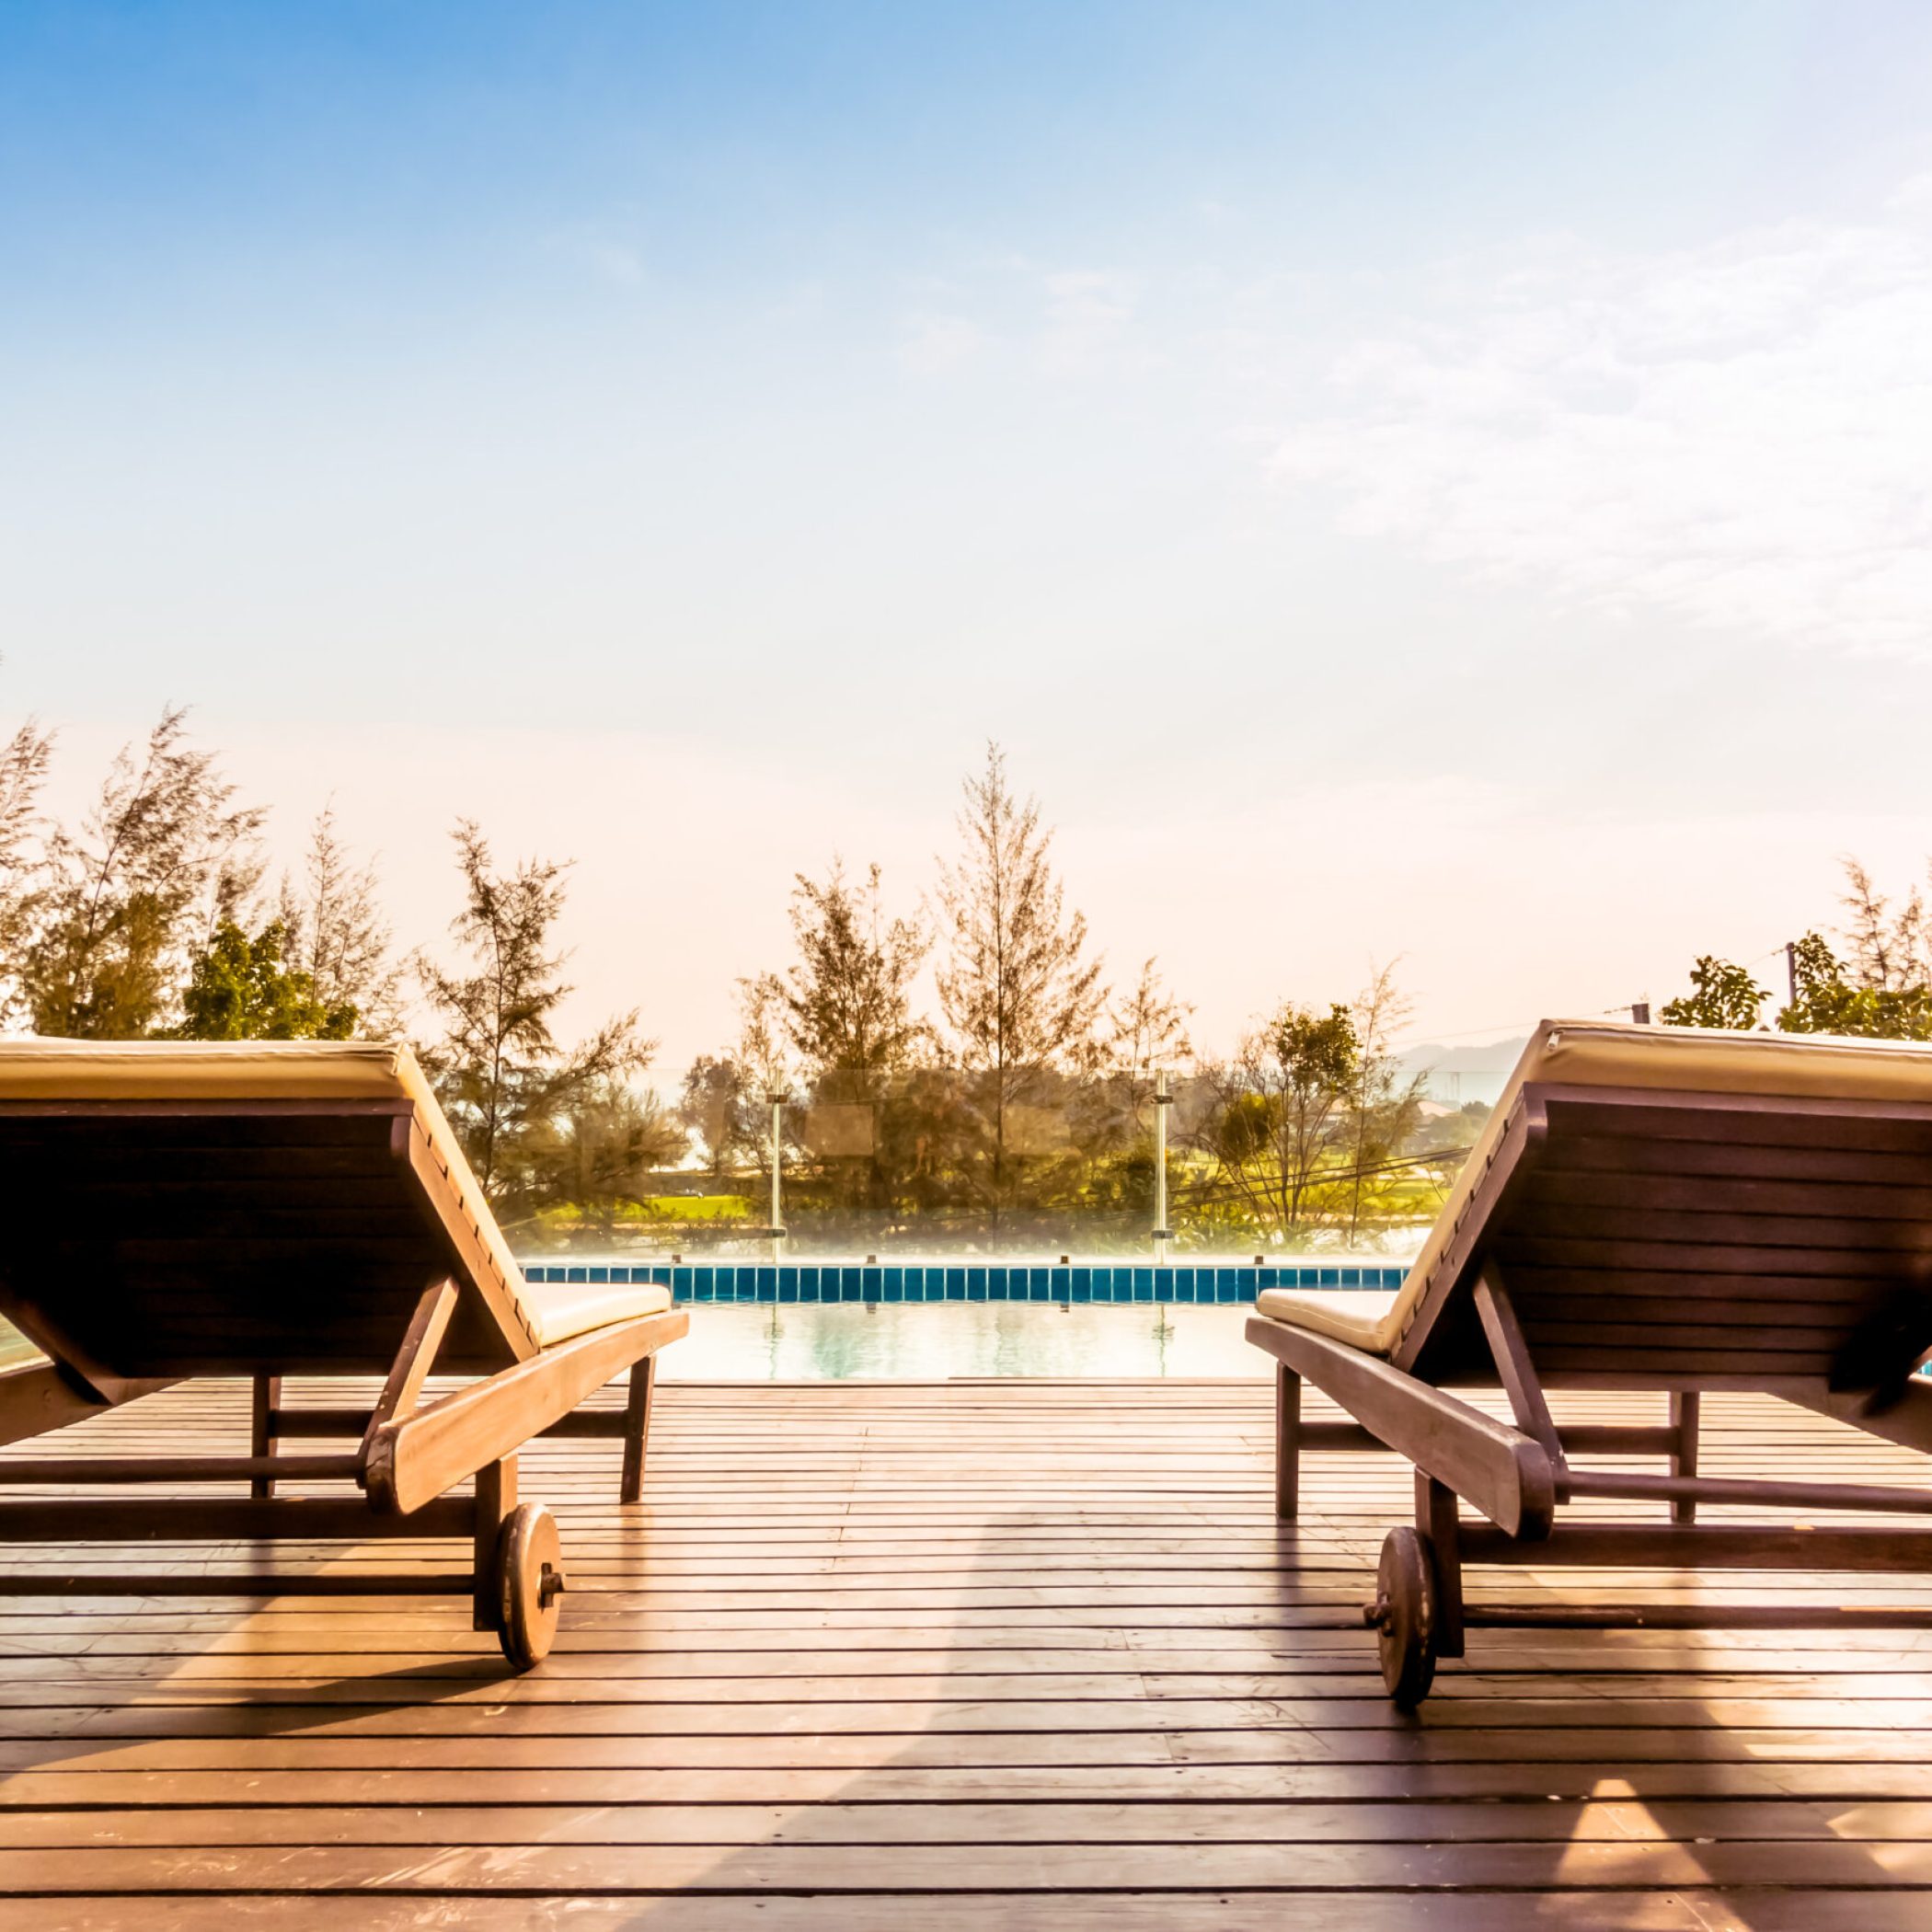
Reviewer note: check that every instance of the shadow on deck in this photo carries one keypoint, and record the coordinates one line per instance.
(974, 1654)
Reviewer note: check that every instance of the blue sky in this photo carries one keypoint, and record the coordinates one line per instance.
(1437, 480)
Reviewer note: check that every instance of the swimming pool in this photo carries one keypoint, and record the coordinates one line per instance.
(826, 1343)
(1223, 1283)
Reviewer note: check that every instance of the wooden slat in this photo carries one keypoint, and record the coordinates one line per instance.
(981, 1655)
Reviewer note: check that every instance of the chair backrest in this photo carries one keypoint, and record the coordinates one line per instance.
(1667, 1206)
(177, 1210)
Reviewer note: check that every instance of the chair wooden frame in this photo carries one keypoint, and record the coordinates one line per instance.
(410, 1452)
(1519, 1475)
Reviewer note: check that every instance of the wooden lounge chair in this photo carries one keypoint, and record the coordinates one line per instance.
(1648, 1209)
(268, 1211)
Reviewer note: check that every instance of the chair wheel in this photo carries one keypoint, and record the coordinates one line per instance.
(1405, 1616)
(530, 1579)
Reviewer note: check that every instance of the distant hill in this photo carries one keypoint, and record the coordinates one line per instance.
(1460, 1073)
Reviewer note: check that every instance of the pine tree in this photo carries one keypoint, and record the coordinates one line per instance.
(163, 855)
(847, 1000)
(23, 763)
(337, 933)
(1016, 989)
(503, 1078)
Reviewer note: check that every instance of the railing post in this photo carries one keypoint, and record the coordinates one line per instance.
(777, 1226)
(1163, 1099)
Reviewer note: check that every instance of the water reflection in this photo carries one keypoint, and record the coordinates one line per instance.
(857, 1342)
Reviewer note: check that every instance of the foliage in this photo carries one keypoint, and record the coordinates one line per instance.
(507, 1084)
(23, 763)
(846, 1002)
(337, 933)
(717, 1107)
(240, 988)
(1385, 1108)
(161, 859)
(1016, 991)
(599, 1148)
(1147, 1033)
(1722, 995)
(1283, 1121)
(1825, 1002)
(1891, 951)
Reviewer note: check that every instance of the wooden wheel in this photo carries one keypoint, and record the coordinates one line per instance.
(1404, 1616)
(530, 1579)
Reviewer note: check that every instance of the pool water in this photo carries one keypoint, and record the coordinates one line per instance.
(831, 1342)
(840, 1343)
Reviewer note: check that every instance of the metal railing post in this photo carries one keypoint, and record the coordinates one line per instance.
(1162, 1101)
(778, 1225)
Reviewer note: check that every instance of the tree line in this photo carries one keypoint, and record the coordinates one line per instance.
(1020, 1097)
(1022, 1101)
(1875, 983)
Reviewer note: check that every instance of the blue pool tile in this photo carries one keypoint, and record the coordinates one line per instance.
(956, 1284)
(976, 1284)
(1061, 1289)
(768, 1284)
(1039, 1283)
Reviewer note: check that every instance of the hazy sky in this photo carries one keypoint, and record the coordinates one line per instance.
(1435, 480)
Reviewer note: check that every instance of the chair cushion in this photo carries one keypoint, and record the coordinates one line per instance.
(558, 1310)
(1361, 1318)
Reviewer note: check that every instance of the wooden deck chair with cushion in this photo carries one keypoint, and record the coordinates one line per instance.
(277, 1210)
(1648, 1209)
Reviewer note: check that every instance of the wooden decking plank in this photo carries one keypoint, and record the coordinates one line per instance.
(1681, 1910)
(1034, 1650)
(442, 1871)
(971, 1821)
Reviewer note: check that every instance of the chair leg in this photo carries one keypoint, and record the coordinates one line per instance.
(261, 1431)
(1438, 1519)
(496, 1498)
(1287, 1443)
(637, 1427)
(1685, 1406)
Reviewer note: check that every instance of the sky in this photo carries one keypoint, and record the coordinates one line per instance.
(1447, 483)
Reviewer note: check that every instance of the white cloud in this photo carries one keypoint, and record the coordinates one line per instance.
(936, 344)
(1089, 326)
(1738, 434)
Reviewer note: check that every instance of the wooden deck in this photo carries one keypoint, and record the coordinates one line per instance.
(970, 1654)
